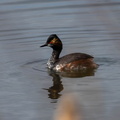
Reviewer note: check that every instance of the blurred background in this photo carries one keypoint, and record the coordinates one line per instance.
(27, 90)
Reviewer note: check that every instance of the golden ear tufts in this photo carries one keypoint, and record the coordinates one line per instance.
(55, 41)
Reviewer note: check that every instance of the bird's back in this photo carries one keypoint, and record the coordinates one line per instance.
(75, 61)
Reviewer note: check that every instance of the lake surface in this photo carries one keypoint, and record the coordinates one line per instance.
(27, 90)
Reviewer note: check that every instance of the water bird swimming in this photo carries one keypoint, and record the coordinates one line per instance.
(70, 62)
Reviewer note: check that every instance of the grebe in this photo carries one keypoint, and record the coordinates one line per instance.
(70, 62)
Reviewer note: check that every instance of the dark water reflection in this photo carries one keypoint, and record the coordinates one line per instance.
(78, 74)
(27, 90)
(57, 87)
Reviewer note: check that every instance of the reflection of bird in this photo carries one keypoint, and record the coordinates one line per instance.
(67, 109)
(56, 88)
(70, 62)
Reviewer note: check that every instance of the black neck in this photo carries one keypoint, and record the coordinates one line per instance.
(55, 55)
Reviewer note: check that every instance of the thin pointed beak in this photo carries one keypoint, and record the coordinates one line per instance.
(44, 45)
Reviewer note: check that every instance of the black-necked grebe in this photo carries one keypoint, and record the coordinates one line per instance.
(73, 61)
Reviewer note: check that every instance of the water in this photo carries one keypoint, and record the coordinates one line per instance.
(27, 90)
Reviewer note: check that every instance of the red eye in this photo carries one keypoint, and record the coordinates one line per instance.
(51, 42)
(55, 42)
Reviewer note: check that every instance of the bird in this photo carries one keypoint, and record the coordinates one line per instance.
(70, 62)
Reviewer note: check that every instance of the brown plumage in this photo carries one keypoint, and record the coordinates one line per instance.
(73, 61)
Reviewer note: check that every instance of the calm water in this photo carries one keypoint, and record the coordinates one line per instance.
(27, 90)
